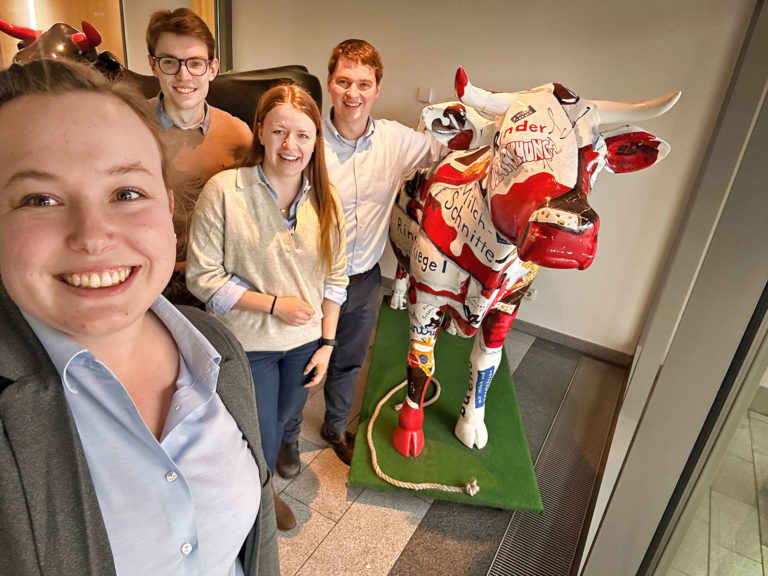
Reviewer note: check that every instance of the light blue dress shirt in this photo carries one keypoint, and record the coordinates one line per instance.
(182, 505)
(166, 121)
(366, 173)
(228, 295)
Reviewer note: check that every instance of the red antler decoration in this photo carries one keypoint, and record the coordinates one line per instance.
(26, 35)
(88, 39)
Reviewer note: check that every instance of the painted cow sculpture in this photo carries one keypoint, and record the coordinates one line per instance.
(473, 229)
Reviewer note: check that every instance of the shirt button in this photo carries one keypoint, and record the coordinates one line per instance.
(171, 476)
(186, 548)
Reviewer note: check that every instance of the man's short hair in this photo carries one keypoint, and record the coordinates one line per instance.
(358, 51)
(183, 22)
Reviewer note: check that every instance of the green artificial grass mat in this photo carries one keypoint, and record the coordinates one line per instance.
(503, 468)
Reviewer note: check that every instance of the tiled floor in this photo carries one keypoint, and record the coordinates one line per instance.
(344, 530)
(729, 536)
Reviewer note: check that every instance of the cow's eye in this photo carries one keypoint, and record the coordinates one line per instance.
(496, 140)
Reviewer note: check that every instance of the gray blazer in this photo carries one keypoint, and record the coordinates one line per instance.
(50, 522)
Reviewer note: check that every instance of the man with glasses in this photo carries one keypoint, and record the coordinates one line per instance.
(200, 140)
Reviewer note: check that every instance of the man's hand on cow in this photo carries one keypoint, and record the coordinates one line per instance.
(293, 311)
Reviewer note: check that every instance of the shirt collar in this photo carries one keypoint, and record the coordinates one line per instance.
(369, 130)
(248, 176)
(166, 121)
(199, 354)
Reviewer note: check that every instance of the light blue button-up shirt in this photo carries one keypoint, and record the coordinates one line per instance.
(366, 173)
(166, 121)
(182, 505)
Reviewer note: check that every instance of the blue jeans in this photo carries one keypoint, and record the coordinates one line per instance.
(280, 395)
(356, 323)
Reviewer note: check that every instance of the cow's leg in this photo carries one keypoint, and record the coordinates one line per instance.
(399, 300)
(484, 361)
(425, 319)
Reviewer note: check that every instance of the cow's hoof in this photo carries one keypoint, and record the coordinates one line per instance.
(471, 435)
(398, 300)
(408, 442)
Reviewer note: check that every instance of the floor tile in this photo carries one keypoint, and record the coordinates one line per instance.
(734, 526)
(516, 346)
(761, 480)
(741, 443)
(314, 412)
(758, 427)
(357, 546)
(297, 545)
(736, 479)
(692, 556)
(675, 572)
(765, 560)
(724, 562)
(308, 451)
(322, 486)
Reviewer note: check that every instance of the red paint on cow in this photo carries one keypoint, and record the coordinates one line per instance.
(460, 82)
(588, 163)
(496, 325)
(553, 247)
(511, 210)
(631, 151)
(442, 234)
(461, 141)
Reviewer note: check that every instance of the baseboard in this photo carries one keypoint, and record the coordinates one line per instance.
(588, 348)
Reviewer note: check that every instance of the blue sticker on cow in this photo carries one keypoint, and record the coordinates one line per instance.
(484, 378)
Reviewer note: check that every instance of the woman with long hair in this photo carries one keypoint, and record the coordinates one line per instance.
(267, 254)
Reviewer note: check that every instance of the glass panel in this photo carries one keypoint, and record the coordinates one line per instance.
(729, 532)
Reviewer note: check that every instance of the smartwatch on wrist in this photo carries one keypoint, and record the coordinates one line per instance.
(328, 342)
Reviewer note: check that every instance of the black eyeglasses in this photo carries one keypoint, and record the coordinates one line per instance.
(170, 65)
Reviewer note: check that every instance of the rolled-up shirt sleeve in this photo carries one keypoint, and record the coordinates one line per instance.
(228, 295)
(335, 294)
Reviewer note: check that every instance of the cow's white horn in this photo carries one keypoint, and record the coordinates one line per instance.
(481, 100)
(611, 112)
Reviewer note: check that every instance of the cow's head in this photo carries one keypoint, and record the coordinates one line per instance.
(547, 149)
(61, 41)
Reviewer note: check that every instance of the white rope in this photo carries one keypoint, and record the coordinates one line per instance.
(470, 488)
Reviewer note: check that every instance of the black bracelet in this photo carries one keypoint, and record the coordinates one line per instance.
(271, 310)
(328, 342)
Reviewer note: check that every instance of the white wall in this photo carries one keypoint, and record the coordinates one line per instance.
(601, 50)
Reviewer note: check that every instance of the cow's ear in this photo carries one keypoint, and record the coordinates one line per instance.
(630, 148)
(457, 126)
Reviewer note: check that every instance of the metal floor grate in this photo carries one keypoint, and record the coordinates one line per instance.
(567, 470)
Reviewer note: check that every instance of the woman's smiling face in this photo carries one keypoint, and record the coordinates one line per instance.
(86, 237)
(288, 136)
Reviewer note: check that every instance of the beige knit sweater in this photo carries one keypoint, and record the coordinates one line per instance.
(237, 230)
